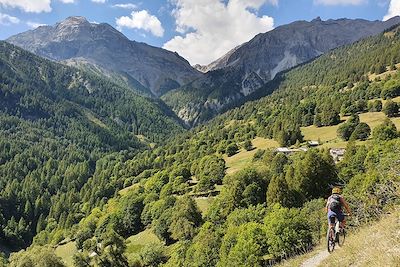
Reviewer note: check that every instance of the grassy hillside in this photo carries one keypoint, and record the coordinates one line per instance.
(377, 244)
(374, 244)
(244, 158)
(66, 253)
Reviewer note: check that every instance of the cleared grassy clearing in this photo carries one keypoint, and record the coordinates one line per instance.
(204, 203)
(243, 159)
(124, 191)
(95, 120)
(66, 253)
(328, 135)
(136, 242)
(324, 134)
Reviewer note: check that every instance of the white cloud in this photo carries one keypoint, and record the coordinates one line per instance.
(99, 1)
(211, 28)
(141, 20)
(67, 1)
(8, 20)
(34, 6)
(34, 25)
(339, 2)
(394, 9)
(125, 6)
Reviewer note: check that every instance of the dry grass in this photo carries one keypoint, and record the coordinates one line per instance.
(244, 158)
(66, 252)
(136, 242)
(374, 245)
(125, 190)
(204, 203)
(324, 134)
(373, 119)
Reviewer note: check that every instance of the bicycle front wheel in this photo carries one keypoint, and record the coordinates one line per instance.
(330, 238)
(341, 237)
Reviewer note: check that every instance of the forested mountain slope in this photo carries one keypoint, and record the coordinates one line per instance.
(258, 215)
(79, 42)
(55, 123)
(248, 67)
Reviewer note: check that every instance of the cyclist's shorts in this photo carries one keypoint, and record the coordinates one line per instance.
(331, 216)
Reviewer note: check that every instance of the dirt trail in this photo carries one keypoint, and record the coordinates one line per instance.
(316, 260)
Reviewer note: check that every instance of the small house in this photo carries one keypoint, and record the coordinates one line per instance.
(337, 153)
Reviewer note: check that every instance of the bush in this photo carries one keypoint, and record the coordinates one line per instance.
(36, 257)
(391, 108)
(361, 132)
(248, 145)
(231, 149)
(259, 154)
(345, 130)
(376, 106)
(288, 232)
(244, 245)
(153, 255)
(386, 131)
(391, 89)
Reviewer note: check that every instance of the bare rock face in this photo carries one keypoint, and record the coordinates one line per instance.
(75, 40)
(245, 69)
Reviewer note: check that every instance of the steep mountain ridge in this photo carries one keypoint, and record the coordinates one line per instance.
(248, 67)
(77, 41)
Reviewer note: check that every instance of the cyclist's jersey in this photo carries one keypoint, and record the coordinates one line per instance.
(335, 203)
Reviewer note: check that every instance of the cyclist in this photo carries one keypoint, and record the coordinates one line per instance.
(334, 208)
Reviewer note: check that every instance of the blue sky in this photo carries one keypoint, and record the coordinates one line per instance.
(199, 30)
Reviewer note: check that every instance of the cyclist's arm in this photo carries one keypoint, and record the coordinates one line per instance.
(346, 205)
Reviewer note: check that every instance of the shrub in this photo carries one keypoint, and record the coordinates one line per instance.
(386, 131)
(361, 132)
(231, 149)
(391, 108)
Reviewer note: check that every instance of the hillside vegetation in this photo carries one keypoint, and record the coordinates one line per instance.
(56, 122)
(374, 244)
(266, 212)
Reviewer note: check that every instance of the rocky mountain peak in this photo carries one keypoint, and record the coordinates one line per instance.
(77, 41)
(74, 20)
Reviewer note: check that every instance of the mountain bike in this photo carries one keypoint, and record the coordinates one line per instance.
(335, 235)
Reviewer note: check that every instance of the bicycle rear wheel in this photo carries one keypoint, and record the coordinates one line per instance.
(341, 237)
(330, 237)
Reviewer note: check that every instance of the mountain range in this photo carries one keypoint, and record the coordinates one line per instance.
(248, 67)
(197, 93)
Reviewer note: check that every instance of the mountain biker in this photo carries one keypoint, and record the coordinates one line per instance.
(334, 208)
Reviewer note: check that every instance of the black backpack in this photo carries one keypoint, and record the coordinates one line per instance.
(334, 203)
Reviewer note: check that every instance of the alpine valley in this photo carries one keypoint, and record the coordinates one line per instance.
(118, 153)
